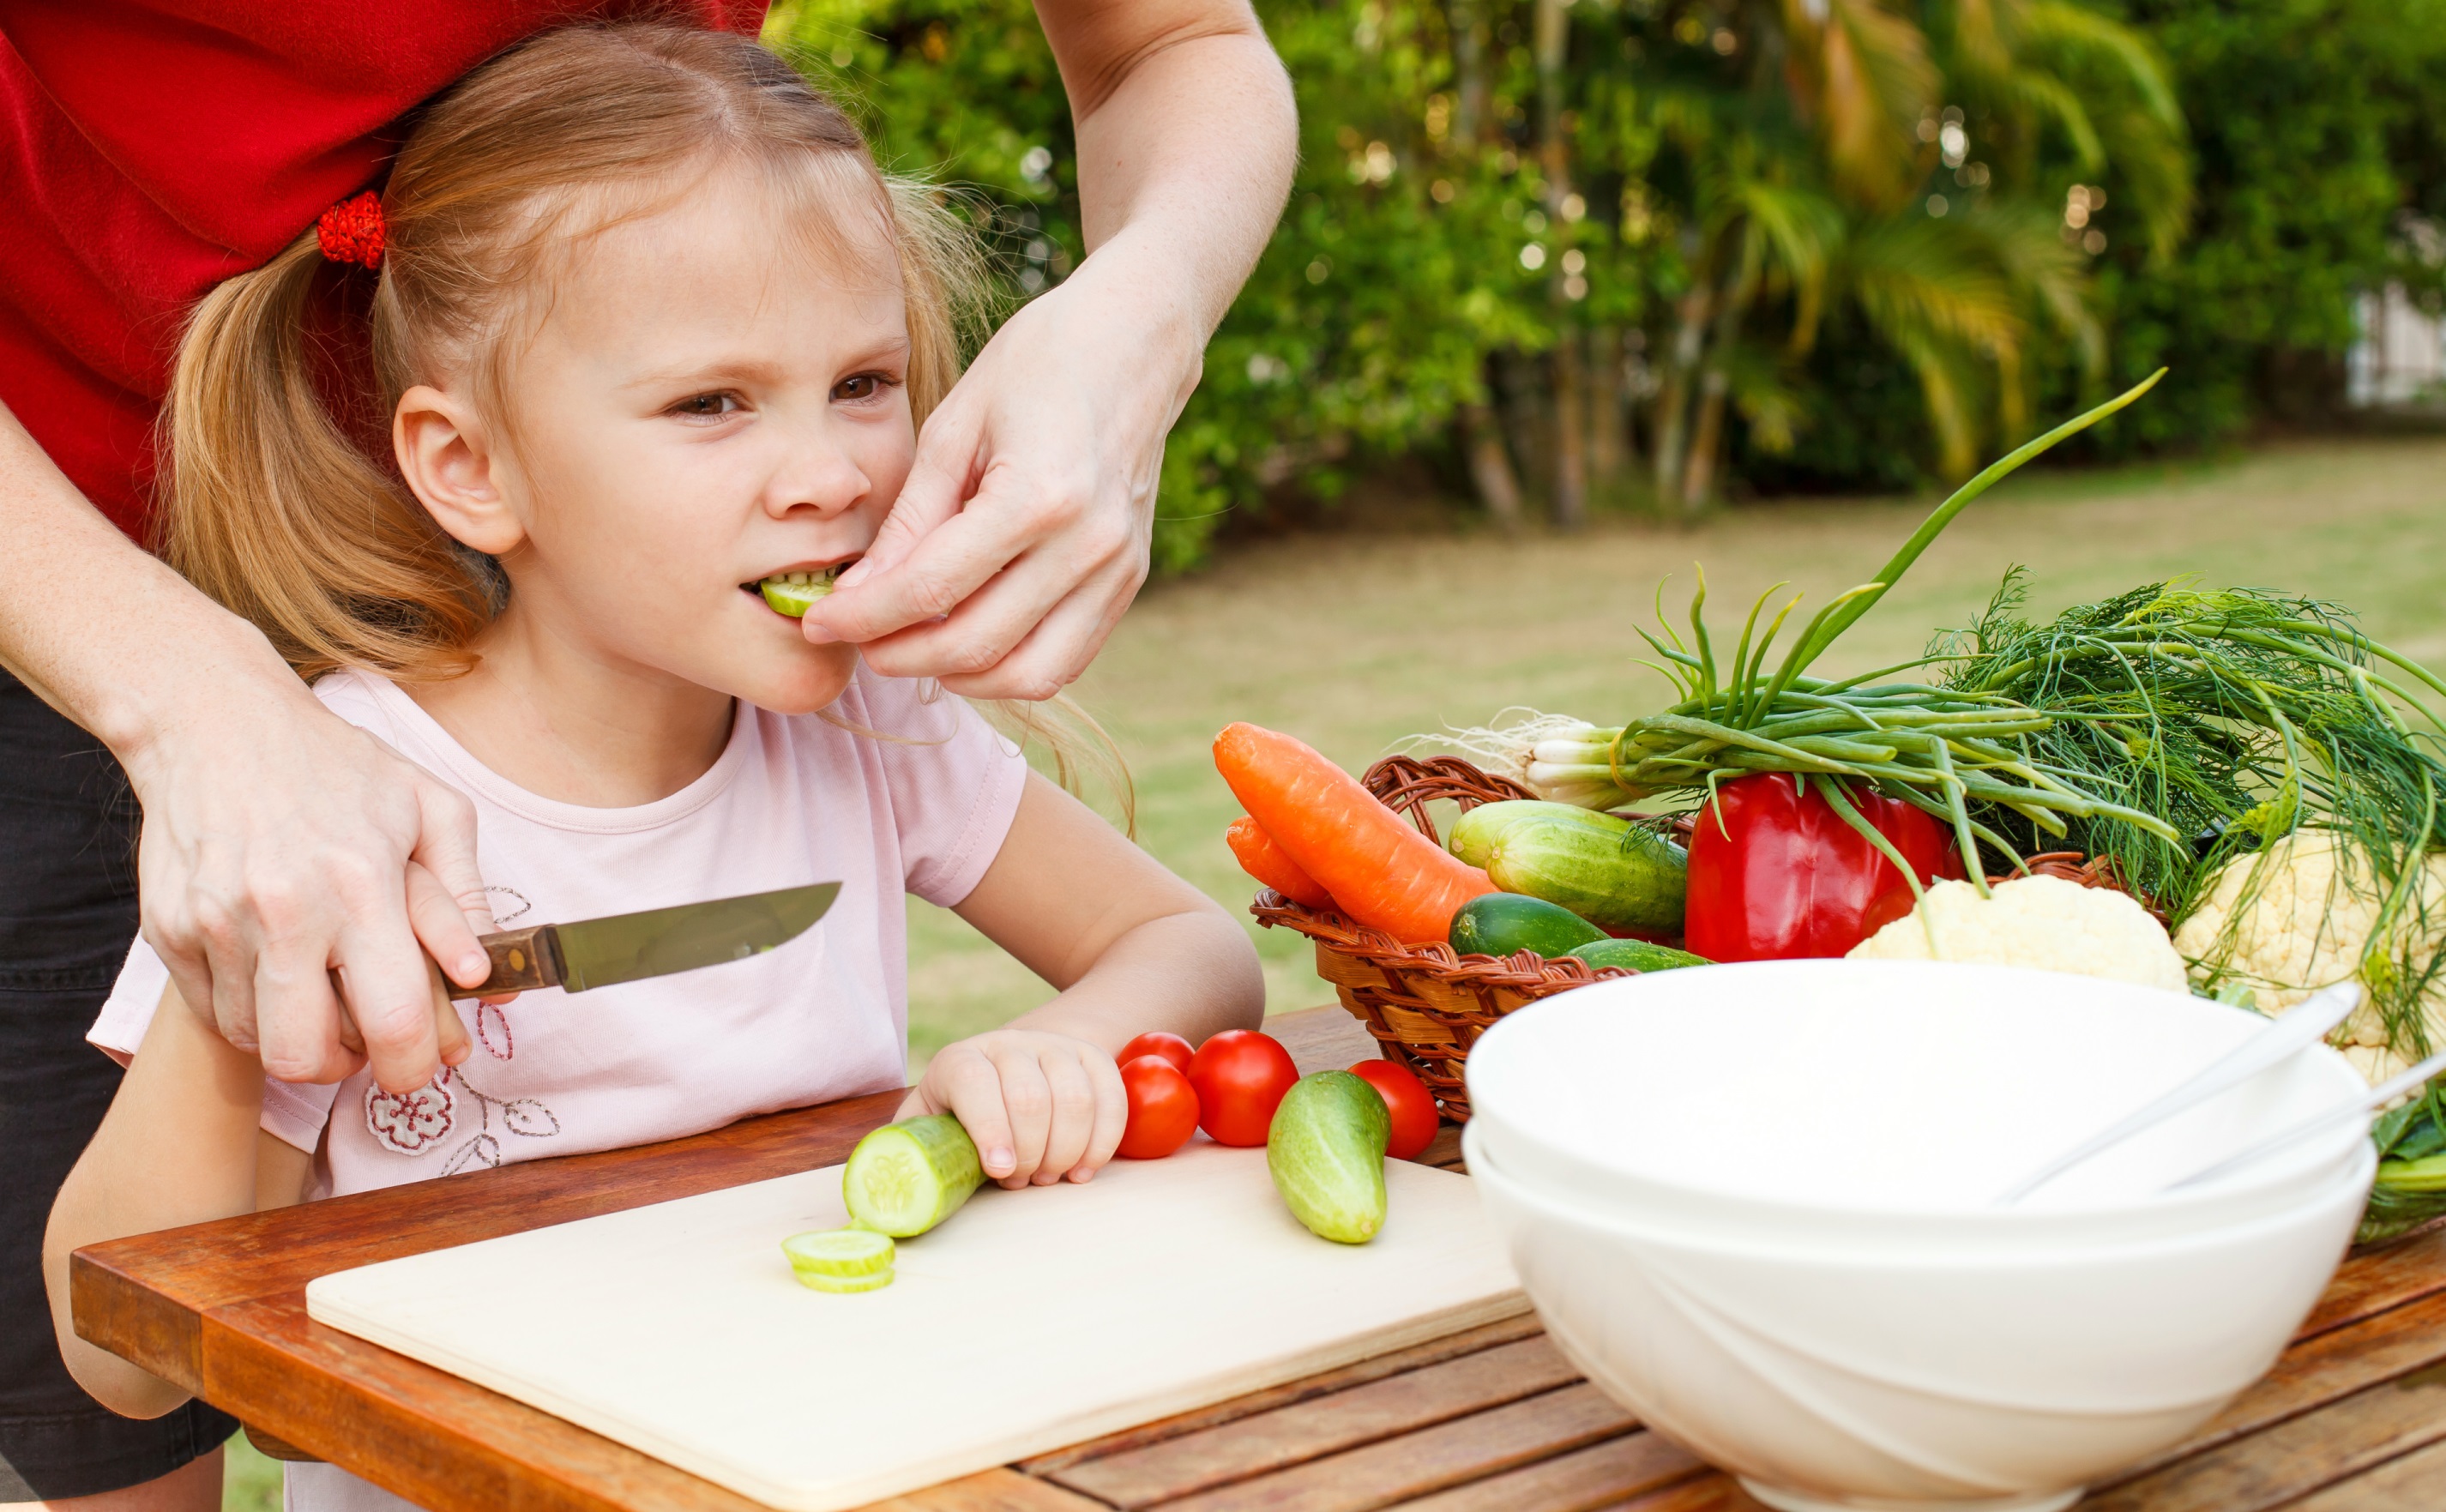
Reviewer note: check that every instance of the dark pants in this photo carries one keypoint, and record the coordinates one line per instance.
(67, 913)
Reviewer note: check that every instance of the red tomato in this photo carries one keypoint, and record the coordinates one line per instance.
(1240, 1076)
(1406, 1098)
(1163, 1109)
(1171, 1046)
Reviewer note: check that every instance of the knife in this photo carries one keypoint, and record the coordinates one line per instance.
(629, 947)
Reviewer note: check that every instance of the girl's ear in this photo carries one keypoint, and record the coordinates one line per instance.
(450, 464)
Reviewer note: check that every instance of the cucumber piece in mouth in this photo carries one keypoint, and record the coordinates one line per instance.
(794, 594)
(846, 1259)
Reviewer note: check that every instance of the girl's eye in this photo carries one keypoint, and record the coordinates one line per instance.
(865, 385)
(707, 406)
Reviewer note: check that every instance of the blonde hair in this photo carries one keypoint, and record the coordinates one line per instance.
(274, 511)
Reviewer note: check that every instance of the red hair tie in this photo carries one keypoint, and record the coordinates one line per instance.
(351, 231)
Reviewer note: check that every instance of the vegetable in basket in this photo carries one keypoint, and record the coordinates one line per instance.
(1508, 923)
(1780, 868)
(1379, 870)
(1271, 865)
(1619, 875)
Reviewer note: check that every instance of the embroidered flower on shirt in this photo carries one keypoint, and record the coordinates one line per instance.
(413, 1121)
(519, 1115)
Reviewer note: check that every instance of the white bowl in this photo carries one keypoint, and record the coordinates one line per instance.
(1973, 1378)
(1887, 1102)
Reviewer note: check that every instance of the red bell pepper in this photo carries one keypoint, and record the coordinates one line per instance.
(1777, 873)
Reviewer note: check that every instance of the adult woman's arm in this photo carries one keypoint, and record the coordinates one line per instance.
(1024, 525)
(281, 844)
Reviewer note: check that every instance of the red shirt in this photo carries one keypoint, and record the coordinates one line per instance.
(151, 148)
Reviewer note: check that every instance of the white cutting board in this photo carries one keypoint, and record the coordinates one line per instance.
(1031, 1320)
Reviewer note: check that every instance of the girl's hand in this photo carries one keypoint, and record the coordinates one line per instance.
(1039, 1106)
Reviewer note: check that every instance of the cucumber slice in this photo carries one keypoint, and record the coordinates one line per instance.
(840, 1255)
(816, 1282)
(905, 1178)
(794, 594)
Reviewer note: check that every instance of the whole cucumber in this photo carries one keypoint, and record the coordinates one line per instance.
(1502, 923)
(1326, 1151)
(1475, 834)
(1635, 954)
(1632, 880)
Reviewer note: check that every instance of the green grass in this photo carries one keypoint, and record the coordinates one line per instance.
(1353, 642)
(250, 1481)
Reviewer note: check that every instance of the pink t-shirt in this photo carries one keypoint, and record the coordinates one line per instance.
(896, 792)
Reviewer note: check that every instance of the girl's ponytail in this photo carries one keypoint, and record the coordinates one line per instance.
(275, 514)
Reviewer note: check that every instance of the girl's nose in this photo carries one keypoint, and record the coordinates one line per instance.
(816, 474)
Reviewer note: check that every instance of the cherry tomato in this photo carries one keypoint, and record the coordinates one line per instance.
(1406, 1098)
(1240, 1076)
(1171, 1046)
(1163, 1109)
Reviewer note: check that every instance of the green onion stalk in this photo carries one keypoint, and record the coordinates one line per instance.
(1953, 753)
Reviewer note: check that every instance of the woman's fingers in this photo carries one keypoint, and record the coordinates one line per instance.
(276, 849)
(446, 924)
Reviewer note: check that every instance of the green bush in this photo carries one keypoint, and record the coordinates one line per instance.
(1456, 160)
(1366, 320)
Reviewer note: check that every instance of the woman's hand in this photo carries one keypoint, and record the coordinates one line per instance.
(284, 850)
(1039, 1106)
(1022, 533)
(296, 874)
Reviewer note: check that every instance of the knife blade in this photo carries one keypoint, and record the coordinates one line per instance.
(629, 947)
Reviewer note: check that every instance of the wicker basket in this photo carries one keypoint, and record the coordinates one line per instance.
(1425, 1004)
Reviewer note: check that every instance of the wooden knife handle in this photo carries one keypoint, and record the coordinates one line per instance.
(523, 958)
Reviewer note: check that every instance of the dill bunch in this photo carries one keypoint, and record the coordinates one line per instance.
(2234, 714)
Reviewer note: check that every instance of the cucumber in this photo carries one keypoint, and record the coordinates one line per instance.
(905, 1178)
(794, 594)
(846, 1259)
(1631, 880)
(1502, 923)
(814, 1282)
(1476, 833)
(1636, 955)
(1326, 1151)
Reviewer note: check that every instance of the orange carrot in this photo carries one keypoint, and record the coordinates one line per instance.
(1266, 861)
(1380, 871)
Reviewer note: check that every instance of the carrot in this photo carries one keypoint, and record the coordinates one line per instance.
(1379, 870)
(1266, 861)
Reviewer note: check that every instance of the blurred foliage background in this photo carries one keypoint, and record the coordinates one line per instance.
(1563, 255)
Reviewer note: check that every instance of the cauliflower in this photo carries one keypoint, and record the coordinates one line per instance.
(2043, 922)
(2308, 926)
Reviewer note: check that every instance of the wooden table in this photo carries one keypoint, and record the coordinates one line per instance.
(1491, 1420)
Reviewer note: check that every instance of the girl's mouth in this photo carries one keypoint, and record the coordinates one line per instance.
(794, 592)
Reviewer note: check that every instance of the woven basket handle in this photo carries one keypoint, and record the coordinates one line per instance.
(1407, 785)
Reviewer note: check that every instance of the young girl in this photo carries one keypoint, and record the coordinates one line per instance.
(649, 329)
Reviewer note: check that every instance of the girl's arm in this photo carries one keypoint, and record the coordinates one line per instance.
(1132, 947)
(181, 1144)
